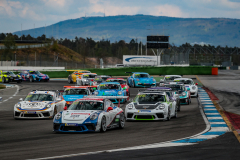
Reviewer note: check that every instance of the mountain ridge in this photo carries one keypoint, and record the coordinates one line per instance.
(214, 31)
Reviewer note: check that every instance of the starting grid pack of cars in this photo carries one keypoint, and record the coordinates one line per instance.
(89, 106)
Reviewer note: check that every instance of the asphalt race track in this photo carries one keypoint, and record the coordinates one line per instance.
(29, 139)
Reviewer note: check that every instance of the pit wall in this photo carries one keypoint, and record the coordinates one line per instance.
(201, 70)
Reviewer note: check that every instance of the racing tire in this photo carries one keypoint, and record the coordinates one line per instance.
(4, 80)
(69, 81)
(54, 112)
(175, 115)
(188, 102)
(103, 124)
(121, 121)
(169, 115)
(31, 79)
(81, 83)
(179, 107)
(19, 81)
(134, 84)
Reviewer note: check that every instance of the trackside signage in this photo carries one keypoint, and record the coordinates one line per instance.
(140, 60)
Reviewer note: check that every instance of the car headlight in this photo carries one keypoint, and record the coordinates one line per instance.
(48, 105)
(137, 79)
(96, 93)
(161, 106)
(130, 106)
(94, 116)
(183, 94)
(193, 87)
(119, 92)
(18, 105)
(58, 116)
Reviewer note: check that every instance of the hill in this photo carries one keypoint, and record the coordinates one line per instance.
(47, 55)
(214, 31)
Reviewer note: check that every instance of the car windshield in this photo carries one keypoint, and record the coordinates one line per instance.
(109, 86)
(185, 81)
(39, 97)
(9, 73)
(75, 91)
(175, 87)
(170, 79)
(34, 72)
(141, 76)
(150, 98)
(86, 105)
(117, 80)
(85, 72)
(105, 78)
(89, 76)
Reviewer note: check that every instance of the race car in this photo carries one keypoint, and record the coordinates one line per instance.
(111, 89)
(32, 75)
(89, 114)
(39, 104)
(172, 94)
(72, 93)
(85, 79)
(183, 92)
(189, 83)
(9, 76)
(168, 78)
(141, 79)
(72, 78)
(151, 105)
(122, 82)
(99, 79)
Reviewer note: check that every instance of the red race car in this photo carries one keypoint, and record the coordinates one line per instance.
(123, 84)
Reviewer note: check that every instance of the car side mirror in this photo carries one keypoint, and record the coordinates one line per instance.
(109, 109)
(65, 108)
(196, 83)
(188, 89)
(21, 99)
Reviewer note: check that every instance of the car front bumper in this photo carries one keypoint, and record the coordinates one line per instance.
(145, 115)
(74, 127)
(32, 114)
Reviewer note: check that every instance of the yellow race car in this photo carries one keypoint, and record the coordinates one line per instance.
(72, 78)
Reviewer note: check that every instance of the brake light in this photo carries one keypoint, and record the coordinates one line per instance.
(65, 108)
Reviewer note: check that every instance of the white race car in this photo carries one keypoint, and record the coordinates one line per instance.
(86, 79)
(151, 105)
(168, 78)
(89, 115)
(189, 83)
(39, 104)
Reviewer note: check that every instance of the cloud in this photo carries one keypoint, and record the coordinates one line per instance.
(56, 3)
(167, 10)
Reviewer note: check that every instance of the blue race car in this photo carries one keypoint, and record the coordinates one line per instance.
(141, 79)
(72, 93)
(31, 75)
(111, 89)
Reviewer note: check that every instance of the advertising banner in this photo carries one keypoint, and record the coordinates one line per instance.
(141, 60)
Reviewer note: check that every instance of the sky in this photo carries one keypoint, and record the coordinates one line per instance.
(27, 14)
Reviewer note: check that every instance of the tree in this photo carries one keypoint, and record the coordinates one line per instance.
(10, 46)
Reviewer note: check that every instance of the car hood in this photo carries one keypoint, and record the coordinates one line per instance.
(145, 80)
(108, 92)
(75, 115)
(34, 104)
(72, 97)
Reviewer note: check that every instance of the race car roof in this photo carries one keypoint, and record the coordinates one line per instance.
(91, 99)
(182, 79)
(77, 70)
(140, 72)
(79, 86)
(43, 92)
(115, 78)
(110, 83)
(173, 76)
(89, 74)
